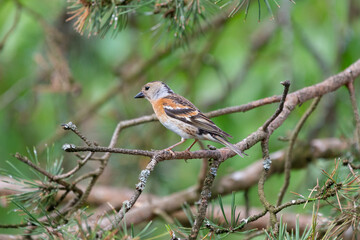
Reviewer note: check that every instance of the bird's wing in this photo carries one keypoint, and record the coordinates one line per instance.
(182, 109)
(204, 123)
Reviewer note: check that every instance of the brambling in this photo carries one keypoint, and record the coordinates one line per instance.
(182, 117)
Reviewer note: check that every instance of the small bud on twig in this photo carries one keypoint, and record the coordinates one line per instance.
(267, 164)
(68, 146)
(69, 126)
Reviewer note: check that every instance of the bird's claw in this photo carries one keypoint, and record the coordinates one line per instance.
(170, 151)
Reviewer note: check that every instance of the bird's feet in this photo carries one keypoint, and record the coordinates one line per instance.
(170, 151)
(187, 151)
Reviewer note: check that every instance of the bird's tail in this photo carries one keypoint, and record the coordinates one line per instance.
(229, 145)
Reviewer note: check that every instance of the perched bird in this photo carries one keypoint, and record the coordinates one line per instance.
(182, 117)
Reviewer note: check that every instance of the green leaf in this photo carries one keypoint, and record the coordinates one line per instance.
(187, 210)
(222, 209)
(33, 218)
(269, 8)
(247, 9)
(233, 210)
(145, 231)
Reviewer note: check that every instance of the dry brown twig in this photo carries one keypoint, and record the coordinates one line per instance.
(266, 156)
(293, 138)
(351, 89)
(205, 196)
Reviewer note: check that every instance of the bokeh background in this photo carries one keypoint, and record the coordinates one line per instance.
(50, 74)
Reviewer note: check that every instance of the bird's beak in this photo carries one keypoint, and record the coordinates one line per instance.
(139, 95)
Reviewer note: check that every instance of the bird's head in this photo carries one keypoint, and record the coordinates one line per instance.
(154, 90)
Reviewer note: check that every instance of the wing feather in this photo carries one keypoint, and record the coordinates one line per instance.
(183, 110)
(204, 123)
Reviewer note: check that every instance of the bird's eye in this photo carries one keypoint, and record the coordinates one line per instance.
(147, 88)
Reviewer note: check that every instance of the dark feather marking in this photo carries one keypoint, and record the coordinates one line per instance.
(205, 125)
(170, 113)
(179, 110)
(167, 88)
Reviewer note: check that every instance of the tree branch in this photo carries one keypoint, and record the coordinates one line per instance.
(204, 198)
(293, 138)
(351, 89)
(267, 161)
(127, 205)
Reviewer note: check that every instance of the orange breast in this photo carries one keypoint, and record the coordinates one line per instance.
(158, 106)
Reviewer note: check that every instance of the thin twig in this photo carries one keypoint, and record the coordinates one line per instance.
(51, 177)
(240, 226)
(287, 164)
(75, 169)
(266, 157)
(96, 174)
(71, 126)
(73, 148)
(351, 89)
(324, 194)
(268, 206)
(82, 199)
(203, 170)
(247, 203)
(127, 205)
(356, 177)
(244, 107)
(204, 199)
(286, 85)
(85, 176)
(93, 158)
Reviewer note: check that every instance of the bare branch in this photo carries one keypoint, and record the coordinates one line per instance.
(203, 170)
(51, 177)
(73, 128)
(75, 169)
(204, 198)
(72, 148)
(291, 147)
(351, 89)
(267, 161)
(286, 85)
(127, 205)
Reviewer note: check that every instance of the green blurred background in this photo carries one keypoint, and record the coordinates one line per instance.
(47, 79)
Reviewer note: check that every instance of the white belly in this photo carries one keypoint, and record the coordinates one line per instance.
(180, 128)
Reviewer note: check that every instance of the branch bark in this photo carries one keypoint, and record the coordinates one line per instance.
(237, 181)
